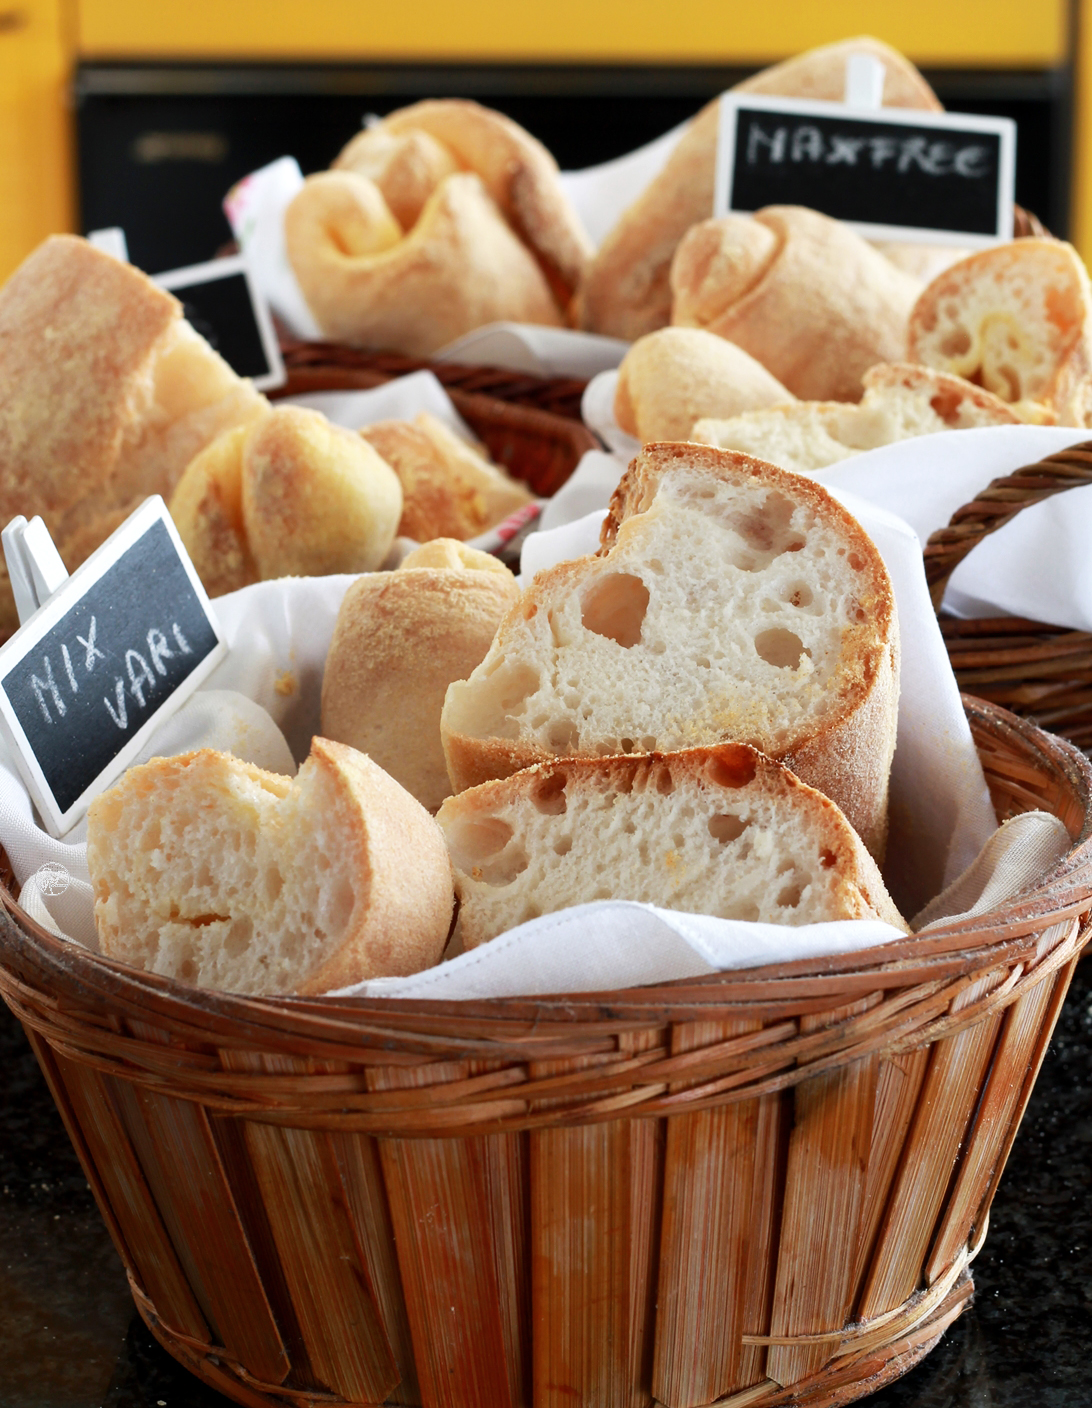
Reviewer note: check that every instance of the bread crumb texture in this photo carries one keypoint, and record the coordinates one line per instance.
(217, 873)
(731, 604)
(720, 831)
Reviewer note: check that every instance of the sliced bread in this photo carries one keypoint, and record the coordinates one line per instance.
(1017, 320)
(900, 401)
(730, 601)
(721, 831)
(214, 872)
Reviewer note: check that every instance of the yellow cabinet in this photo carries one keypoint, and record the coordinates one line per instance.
(36, 167)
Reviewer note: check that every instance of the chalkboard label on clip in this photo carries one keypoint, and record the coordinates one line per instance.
(943, 178)
(84, 683)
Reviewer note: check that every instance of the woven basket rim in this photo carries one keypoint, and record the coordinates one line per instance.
(70, 972)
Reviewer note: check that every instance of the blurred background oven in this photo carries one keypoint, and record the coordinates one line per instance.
(121, 112)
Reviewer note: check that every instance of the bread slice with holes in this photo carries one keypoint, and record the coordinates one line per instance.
(900, 401)
(721, 831)
(217, 873)
(1017, 320)
(729, 601)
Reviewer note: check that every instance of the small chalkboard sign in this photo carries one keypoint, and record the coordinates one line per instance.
(220, 300)
(113, 652)
(891, 173)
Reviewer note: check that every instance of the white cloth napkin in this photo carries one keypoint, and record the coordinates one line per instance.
(255, 209)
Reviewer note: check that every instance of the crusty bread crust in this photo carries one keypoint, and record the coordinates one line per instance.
(816, 305)
(1016, 319)
(400, 639)
(844, 739)
(518, 172)
(459, 267)
(383, 896)
(627, 291)
(671, 378)
(639, 828)
(106, 394)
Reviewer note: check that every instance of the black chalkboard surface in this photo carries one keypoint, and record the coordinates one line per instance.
(118, 647)
(219, 300)
(894, 174)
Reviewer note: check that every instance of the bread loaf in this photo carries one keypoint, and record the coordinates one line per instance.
(627, 290)
(801, 293)
(1017, 320)
(106, 394)
(900, 401)
(671, 378)
(410, 152)
(291, 495)
(720, 830)
(400, 639)
(448, 489)
(730, 601)
(211, 871)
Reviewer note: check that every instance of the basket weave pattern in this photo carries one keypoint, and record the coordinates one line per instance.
(758, 1188)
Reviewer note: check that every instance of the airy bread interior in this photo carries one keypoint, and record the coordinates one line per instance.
(720, 831)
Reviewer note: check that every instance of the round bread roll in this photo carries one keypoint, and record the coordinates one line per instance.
(317, 499)
(671, 378)
(412, 150)
(449, 552)
(1016, 319)
(400, 639)
(627, 290)
(803, 294)
(207, 508)
(459, 267)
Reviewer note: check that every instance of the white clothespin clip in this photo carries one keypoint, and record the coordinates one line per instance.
(864, 82)
(34, 565)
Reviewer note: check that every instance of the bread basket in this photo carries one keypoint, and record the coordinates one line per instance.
(759, 1188)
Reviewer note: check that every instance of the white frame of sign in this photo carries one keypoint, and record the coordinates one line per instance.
(175, 280)
(1002, 127)
(16, 649)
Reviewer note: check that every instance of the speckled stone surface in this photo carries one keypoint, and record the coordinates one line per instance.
(69, 1337)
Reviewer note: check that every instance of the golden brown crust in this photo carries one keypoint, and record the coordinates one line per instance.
(207, 508)
(518, 172)
(627, 290)
(818, 308)
(106, 394)
(673, 377)
(403, 924)
(458, 268)
(400, 639)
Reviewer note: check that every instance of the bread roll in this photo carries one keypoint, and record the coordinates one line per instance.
(673, 377)
(900, 401)
(412, 150)
(317, 499)
(729, 601)
(804, 295)
(368, 284)
(211, 871)
(720, 830)
(400, 639)
(1016, 319)
(627, 290)
(207, 508)
(449, 552)
(106, 394)
(448, 489)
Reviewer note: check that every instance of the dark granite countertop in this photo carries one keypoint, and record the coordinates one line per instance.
(70, 1338)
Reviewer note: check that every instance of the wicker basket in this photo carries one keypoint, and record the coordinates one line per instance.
(758, 1188)
(1041, 671)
